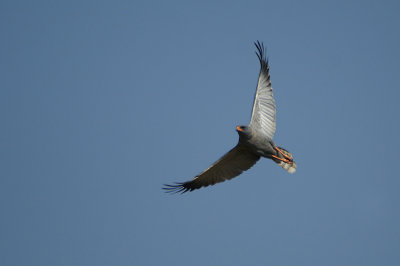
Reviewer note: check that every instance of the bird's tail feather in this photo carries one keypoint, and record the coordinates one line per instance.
(290, 167)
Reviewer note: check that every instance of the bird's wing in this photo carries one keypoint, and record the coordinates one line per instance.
(263, 114)
(230, 165)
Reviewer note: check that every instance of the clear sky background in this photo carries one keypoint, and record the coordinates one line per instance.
(102, 102)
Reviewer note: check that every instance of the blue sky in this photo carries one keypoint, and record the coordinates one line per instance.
(102, 102)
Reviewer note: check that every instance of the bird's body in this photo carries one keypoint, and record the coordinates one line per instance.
(257, 143)
(262, 146)
(255, 140)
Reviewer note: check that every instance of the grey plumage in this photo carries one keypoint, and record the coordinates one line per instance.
(255, 140)
(232, 164)
(264, 111)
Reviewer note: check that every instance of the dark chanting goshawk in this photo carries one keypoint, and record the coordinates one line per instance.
(255, 140)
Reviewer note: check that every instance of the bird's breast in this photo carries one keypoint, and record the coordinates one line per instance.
(260, 146)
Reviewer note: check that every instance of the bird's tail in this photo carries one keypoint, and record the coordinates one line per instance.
(289, 166)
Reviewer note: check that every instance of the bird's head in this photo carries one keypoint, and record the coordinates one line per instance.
(243, 131)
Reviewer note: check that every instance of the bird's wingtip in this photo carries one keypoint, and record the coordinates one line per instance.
(175, 188)
(262, 55)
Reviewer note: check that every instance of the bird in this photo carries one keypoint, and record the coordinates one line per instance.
(255, 140)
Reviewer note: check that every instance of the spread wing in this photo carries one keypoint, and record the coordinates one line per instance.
(230, 165)
(263, 114)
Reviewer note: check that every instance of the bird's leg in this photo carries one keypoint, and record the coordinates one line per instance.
(286, 159)
(282, 159)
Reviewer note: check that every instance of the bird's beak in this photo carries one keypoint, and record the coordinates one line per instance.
(239, 129)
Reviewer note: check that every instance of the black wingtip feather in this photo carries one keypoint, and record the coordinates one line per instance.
(176, 188)
(260, 51)
(261, 56)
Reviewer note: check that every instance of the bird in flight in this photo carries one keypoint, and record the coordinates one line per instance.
(255, 140)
